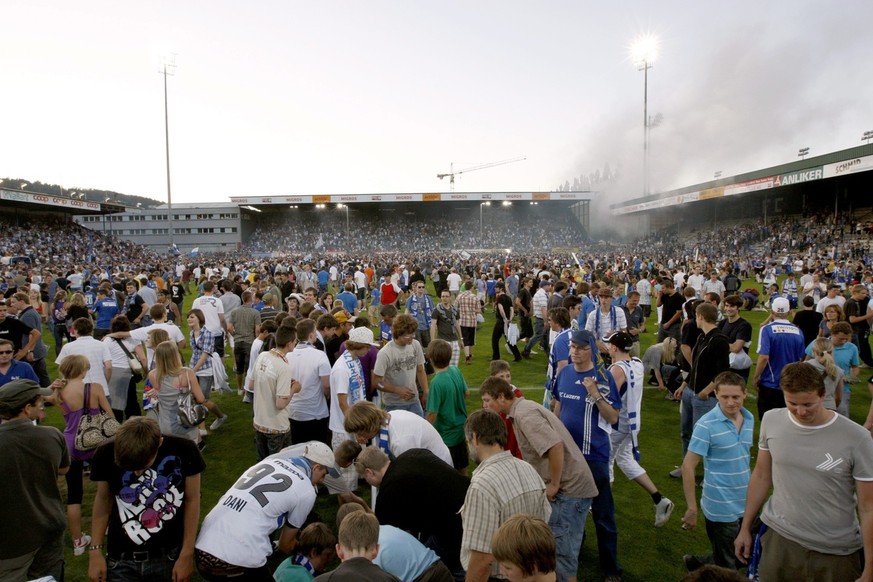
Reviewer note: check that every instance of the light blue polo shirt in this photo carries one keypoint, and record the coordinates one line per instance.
(725, 452)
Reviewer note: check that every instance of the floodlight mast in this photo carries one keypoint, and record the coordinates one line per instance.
(452, 173)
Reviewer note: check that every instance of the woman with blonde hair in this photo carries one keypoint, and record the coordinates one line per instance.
(76, 309)
(823, 361)
(75, 399)
(658, 356)
(168, 378)
(34, 297)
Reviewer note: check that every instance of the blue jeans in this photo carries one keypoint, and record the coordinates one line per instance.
(567, 523)
(414, 405)
(538, 336)
(700, 407)
(603, 511)
(157, 569)
(686, 418)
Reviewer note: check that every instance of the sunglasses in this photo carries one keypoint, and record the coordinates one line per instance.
(6, 352)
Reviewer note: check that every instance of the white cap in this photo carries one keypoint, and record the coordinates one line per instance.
(780, 306)
(362, 335)
(323, 455)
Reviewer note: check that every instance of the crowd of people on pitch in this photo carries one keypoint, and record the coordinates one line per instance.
(334, 401)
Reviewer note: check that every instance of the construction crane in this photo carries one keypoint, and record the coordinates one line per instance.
(452, 173)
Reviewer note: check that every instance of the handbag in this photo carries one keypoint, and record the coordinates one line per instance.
(134, 364)
(94, 430)
(190, 413)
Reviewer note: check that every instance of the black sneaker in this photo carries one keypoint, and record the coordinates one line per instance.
(201, 445)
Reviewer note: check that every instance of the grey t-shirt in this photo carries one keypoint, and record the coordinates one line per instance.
(814, 472)
(397, 365)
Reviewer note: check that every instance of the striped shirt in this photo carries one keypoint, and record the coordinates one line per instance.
(501, 487)
(725, 452)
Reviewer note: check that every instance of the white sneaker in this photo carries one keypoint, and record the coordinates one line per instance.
(216, 424)
(662, 511)
(203, 432)
(80, 544)
(676, 473)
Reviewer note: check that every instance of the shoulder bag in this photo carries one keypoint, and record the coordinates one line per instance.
(190, 413)
(94, 430)
(134, 364)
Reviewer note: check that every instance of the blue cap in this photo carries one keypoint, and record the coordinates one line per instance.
(582, 337)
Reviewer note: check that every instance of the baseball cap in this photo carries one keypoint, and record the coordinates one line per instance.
(781, 306)
(620, 339)
(362, 335)
(581, 337)
(322, 454)
(341, 317)
(19, 392)
(545, 283)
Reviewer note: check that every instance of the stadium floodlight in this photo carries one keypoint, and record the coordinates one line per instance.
(481, 206)
(644, 51)
(346, 207)
(802, 153)
(168, 67)
(507, 202)
(319, 206)
(868, 135)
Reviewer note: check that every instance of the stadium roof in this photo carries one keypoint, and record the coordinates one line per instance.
(408, 197)
(839, 163)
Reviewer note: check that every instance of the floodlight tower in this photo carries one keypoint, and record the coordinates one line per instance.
(644, 51)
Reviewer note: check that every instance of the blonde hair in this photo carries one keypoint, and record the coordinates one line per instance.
(77, 299)
(823, 350)
(668, 350)
(364, 417)
(157, 337)
(74, 367)
(168, 360)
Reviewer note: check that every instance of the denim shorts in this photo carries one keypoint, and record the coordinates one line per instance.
(567, 523)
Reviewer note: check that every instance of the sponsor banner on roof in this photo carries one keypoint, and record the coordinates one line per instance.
(749, 186)
(49, 200)
(716, 192)
(800, 177)
(847, 167)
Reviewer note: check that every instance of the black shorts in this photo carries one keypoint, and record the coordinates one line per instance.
(241, 353)
(468, 334)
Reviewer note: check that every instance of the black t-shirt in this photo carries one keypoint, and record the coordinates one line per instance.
(740, 329)
(133, 307)
(148, 511)
(808, 322)
(854, 308)
(671, 304)
(506, 301)
(15, 331)
(177, 293)
(524, 299)
(422, 494)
